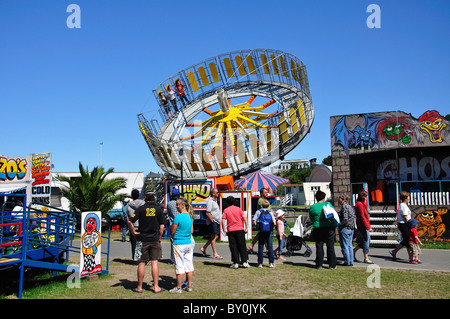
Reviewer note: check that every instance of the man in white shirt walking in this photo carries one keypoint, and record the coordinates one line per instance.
(213, 219)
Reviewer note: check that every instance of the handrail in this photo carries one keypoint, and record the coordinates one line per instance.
(234, 67)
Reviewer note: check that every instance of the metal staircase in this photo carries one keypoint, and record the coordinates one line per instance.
(383, 220)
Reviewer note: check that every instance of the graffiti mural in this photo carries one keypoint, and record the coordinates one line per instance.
(431, 225)
(360, 133)
(360, 137)
(433, 123)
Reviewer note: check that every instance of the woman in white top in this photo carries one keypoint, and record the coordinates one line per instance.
(404, 214)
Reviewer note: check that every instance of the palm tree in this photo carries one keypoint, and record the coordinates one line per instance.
(92, 191)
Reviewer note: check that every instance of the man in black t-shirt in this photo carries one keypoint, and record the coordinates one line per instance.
(151, 229)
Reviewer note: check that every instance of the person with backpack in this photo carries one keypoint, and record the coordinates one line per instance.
(264, 221)
(323, 231)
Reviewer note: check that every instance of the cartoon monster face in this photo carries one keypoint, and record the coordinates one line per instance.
(432, 123)
(426, 218)
(394, 131)
(91, 225)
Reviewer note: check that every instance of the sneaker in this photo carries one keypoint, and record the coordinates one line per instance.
(412, 262)
(189, 289)
(184, 284)
(176, 290)
(394, 257)
(418, 261)
(245, 265)
(271, 265)
(260, 265)
(234, 266)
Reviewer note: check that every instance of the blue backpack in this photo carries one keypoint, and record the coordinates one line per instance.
(265, 221)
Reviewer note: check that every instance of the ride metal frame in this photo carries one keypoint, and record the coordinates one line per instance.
(234, 140)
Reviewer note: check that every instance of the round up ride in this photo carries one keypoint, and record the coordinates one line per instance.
(231, 114)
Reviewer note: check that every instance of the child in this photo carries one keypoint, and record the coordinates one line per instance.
(281, 236)
(414, 242)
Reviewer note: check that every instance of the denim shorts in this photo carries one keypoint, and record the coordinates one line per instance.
(363, 240)
(214, 228)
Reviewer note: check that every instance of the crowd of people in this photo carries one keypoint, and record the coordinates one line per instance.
(146, 223)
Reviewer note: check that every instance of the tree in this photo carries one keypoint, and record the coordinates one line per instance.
(297, 176)
(92, 191)
(328, 160)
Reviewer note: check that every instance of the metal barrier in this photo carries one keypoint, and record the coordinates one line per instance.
(32, 238)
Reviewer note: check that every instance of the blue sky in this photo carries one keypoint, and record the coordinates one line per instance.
(66, 90)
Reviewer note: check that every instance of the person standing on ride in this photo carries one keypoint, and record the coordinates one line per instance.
(165, 103)
(172, 97)
(180, 233)
(363, 225)
(181, 93)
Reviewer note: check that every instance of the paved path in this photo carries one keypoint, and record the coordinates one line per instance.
(433, 259)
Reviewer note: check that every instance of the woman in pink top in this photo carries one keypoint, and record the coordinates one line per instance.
(234, 224)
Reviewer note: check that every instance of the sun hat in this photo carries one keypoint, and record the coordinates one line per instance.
(280, 213)
(412, 223)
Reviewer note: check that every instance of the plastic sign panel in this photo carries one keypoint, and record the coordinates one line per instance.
(91, 240)
(39, 190)
(32, 172)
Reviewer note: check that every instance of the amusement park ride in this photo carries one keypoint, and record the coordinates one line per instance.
(236, 113)
(246, 109)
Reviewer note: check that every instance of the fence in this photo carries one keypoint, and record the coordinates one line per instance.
(429, 198)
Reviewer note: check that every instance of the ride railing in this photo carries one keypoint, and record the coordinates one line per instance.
(50, 229)
(11, 229)
(210, 75)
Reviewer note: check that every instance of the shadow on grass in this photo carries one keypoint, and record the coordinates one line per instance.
(165, 282)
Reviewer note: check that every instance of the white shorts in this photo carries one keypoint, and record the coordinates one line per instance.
(183, 256)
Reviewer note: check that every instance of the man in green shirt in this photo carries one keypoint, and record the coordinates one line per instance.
(323, 231)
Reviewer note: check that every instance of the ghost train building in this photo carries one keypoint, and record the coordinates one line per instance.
(389, 152)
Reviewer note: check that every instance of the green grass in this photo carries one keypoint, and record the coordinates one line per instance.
(214, 280)
(217, 281)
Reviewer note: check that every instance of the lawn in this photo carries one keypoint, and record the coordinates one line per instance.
(215, 280)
